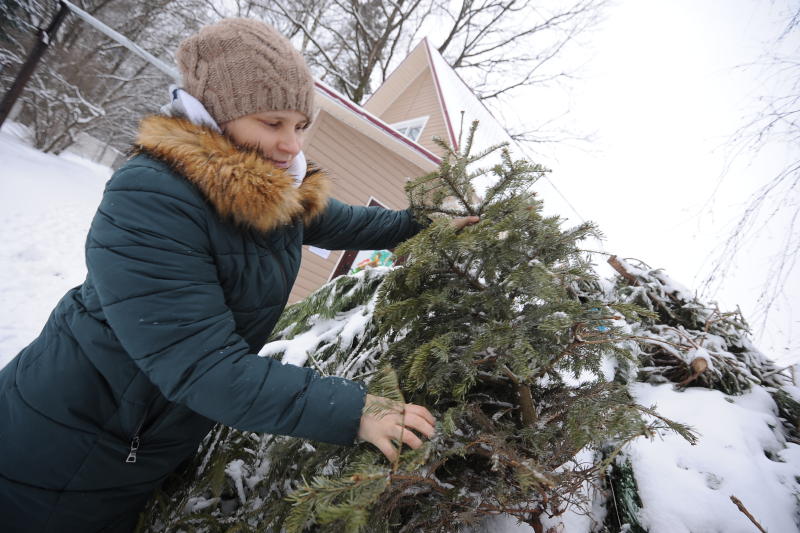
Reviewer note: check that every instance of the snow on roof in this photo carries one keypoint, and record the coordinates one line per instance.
(456, 97)
(461, 107)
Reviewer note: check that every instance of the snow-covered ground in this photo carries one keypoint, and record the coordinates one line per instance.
(46, 205)
(741, 453)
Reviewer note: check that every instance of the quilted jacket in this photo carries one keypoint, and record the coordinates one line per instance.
(190, 257)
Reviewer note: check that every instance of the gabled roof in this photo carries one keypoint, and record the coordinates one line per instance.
(458, 104)
(454, 97)
(400, 80)
(458, 98)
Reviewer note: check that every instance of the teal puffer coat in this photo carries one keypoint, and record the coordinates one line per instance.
(191, 257)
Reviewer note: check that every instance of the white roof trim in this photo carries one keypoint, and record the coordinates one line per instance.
(360, 119)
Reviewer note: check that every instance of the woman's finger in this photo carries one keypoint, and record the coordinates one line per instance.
(387, 448)
(414, 421)
(421, 411)
(461, 223)
(408, 437)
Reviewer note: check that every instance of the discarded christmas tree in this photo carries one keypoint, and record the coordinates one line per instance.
(689, 343)
(489, 328)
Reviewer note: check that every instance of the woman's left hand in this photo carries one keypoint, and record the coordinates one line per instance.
(463, 222)
(393, 421)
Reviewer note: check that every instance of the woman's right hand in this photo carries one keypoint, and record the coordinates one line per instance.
(394, 422)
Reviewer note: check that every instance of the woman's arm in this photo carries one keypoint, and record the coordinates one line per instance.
(150, 261)
(350, 227)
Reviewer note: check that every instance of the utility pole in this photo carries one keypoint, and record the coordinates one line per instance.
(45, 38)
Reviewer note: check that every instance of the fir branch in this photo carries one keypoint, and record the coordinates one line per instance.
(386, 385)
(683, 430)
(474, 283)
(458, 193)
(314, 500)
(470, 139)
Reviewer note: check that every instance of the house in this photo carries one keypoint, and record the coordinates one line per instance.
(372, 151)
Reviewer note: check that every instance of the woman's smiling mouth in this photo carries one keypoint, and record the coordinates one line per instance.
(281, 164)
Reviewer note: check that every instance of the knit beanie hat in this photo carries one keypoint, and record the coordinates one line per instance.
(239, 66)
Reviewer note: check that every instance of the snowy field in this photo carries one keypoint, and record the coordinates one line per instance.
(46, 205)
(741, 453)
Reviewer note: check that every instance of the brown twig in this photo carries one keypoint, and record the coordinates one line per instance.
(633, 280)
(410, 480)
(566, 351)
(698, 366)
(527, 408)
(488, 359)
(744, 510)
(503, 458)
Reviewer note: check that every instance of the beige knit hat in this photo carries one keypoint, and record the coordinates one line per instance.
(239, 66)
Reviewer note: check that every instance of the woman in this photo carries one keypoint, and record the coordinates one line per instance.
(190, 258)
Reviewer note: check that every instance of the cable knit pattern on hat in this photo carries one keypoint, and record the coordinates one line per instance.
(238, 67)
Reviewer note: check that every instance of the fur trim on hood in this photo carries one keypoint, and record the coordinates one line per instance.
(240, 183)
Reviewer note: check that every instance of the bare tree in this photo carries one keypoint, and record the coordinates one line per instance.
(353, 44)
(777, 123)
(89, 83)
(507, 44)
(497, 46)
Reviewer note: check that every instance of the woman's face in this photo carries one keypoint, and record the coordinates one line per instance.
(278, 135)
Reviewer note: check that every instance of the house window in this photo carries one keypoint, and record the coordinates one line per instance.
(411, 129)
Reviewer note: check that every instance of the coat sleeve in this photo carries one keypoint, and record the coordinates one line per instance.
(149, 257)
(349, 227)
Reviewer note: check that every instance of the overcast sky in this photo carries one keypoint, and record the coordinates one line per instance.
(662, 93)
(662, 90)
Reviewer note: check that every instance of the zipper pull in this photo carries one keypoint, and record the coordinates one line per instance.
(134, 448)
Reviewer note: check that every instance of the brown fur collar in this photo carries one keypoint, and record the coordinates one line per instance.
(238, 182)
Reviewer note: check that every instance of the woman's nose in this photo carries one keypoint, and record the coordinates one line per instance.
(290, 143)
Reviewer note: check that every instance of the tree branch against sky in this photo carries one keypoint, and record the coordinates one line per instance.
(497, 46)
(773, 128)
(503, 47)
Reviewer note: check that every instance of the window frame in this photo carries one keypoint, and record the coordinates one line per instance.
(410, 123)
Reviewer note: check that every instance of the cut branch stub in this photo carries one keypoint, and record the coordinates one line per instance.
(699, 365)
(617, 265)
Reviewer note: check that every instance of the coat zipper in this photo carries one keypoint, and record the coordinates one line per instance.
(135, 440)
(134, 444)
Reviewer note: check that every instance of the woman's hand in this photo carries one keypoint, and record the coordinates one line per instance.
(394, 423)
(461, 223)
